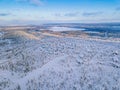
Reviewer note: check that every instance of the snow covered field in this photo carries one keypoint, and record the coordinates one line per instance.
(56, 28)
(60, 63)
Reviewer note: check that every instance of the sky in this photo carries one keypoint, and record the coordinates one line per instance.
(48, 11)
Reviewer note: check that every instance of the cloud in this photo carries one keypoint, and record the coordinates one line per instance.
(92, 13)
(34, 2)
(71, 14)
(58, 15)
(74, 14)
(118, 9)
(4, 14)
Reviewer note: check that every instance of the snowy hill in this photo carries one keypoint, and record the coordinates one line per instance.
(60, 63)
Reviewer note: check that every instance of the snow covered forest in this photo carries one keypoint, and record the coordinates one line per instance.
(40, 61)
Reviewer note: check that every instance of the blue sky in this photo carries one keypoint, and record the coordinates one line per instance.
(39, 11)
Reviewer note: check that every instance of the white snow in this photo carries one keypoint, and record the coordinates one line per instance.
(55, 63)
(56, 28)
